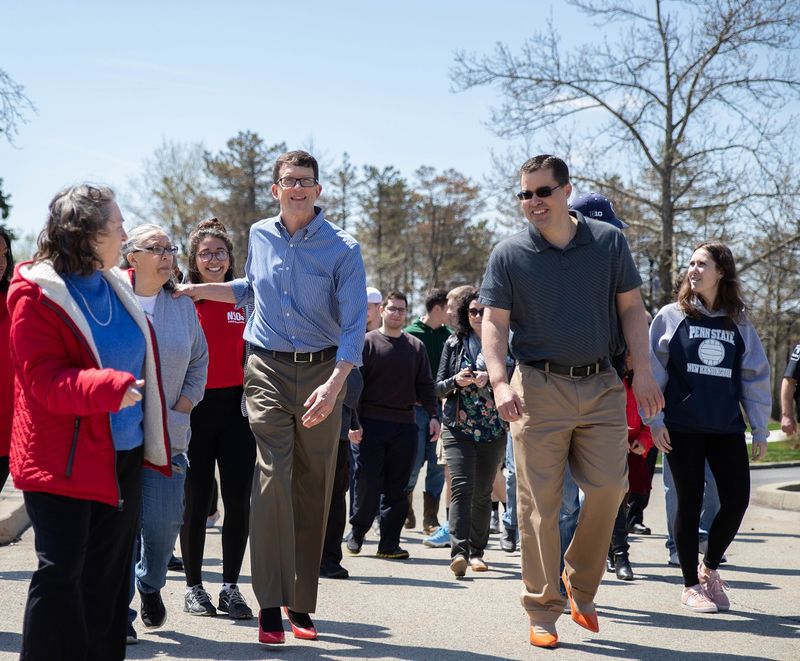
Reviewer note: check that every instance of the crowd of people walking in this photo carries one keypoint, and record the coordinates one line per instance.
(124, 391)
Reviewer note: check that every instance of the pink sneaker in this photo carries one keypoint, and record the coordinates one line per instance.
(697, 599)
(714, 586)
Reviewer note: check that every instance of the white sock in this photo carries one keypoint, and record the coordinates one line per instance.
(228, 586)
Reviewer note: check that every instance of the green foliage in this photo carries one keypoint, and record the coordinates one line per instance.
(5, 207)
(242, 178)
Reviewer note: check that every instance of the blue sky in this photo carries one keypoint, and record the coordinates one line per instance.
(111, 81)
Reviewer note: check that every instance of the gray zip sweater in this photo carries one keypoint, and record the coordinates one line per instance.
(183, 360)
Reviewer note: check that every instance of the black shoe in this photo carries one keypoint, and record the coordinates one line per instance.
(333, 570)
(508, 542)
(393, 554)
(130, 637)
(354, 545)
(152, 609)
(622, 567)
(198, 602)
(175, 564)
(638, 529)
(232, 602)
(610, 563)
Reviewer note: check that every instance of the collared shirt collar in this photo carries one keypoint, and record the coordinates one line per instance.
(583, 235)
(309, 230)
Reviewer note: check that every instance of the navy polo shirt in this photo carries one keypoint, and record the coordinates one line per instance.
(562, 301)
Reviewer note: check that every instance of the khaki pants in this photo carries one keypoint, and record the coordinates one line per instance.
(292, 482)
(581, 421)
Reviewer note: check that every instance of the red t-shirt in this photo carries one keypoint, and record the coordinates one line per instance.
(223, 325)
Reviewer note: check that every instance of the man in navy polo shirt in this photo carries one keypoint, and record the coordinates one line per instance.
(557, 284)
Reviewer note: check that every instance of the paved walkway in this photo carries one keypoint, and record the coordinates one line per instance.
(415, 610)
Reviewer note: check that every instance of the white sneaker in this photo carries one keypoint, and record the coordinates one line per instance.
(697, 599)
(714, 586)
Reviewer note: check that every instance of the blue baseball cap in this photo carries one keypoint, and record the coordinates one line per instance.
(597, 207)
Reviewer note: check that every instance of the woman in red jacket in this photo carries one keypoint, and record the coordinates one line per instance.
(84, 359)
(6, 371)
(640, 441)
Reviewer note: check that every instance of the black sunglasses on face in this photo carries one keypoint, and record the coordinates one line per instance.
(542, 191)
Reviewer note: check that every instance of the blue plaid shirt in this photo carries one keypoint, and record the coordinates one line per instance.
(309, 290)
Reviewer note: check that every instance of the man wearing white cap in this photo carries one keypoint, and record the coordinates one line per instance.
(374, 300)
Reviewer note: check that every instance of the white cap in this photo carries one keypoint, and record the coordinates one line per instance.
(374, 295)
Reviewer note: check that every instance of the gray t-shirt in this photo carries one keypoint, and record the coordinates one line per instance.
(562, 302)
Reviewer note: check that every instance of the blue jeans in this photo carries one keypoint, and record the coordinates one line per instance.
(707, 514)
(510, 515)
(426, 451)
(160, 523)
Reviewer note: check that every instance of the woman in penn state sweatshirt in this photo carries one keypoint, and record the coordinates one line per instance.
(709, 361)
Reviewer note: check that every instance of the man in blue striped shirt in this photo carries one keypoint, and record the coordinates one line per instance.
(305, 278)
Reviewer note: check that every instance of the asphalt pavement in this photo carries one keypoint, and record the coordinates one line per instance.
(416, 610)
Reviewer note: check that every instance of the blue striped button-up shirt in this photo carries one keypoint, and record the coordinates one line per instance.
(309, 290)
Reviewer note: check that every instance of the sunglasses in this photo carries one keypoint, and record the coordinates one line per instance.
(475, 312)
(542, 191)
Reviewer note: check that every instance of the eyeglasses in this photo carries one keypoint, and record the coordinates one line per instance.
(392, 308)
(291, 182)
(542, 191)
(207, 255)
(475, 312)
(159, 250)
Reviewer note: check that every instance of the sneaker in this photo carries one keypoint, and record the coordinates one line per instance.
(211, 521)
(714, 586)
(354, 545)
(673, 560)
(198, 602)
(376, 527)
(392, 554)
(478, 564)
(508, 542)
(697, 599)
(494, 522)
(152, 609)
(175, 563)
(130, 637)
(439, 539)
(232, 602)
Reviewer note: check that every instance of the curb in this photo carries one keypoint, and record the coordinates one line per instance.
(781, 496)
(13, 515)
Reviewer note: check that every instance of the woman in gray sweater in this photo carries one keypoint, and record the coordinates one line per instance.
(183, 361)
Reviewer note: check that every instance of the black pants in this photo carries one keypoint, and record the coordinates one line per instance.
(638, 502)
(221, 434)
(383, 466)
(3, 471)
(473, 467)
(337, 514)
(77, 605)
(619, 536)
(727, 458)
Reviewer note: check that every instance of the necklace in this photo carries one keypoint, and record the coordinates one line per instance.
(88, 307)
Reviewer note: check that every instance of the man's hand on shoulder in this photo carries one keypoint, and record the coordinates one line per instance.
(648, 395)
(507, 401)
(195, 292)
